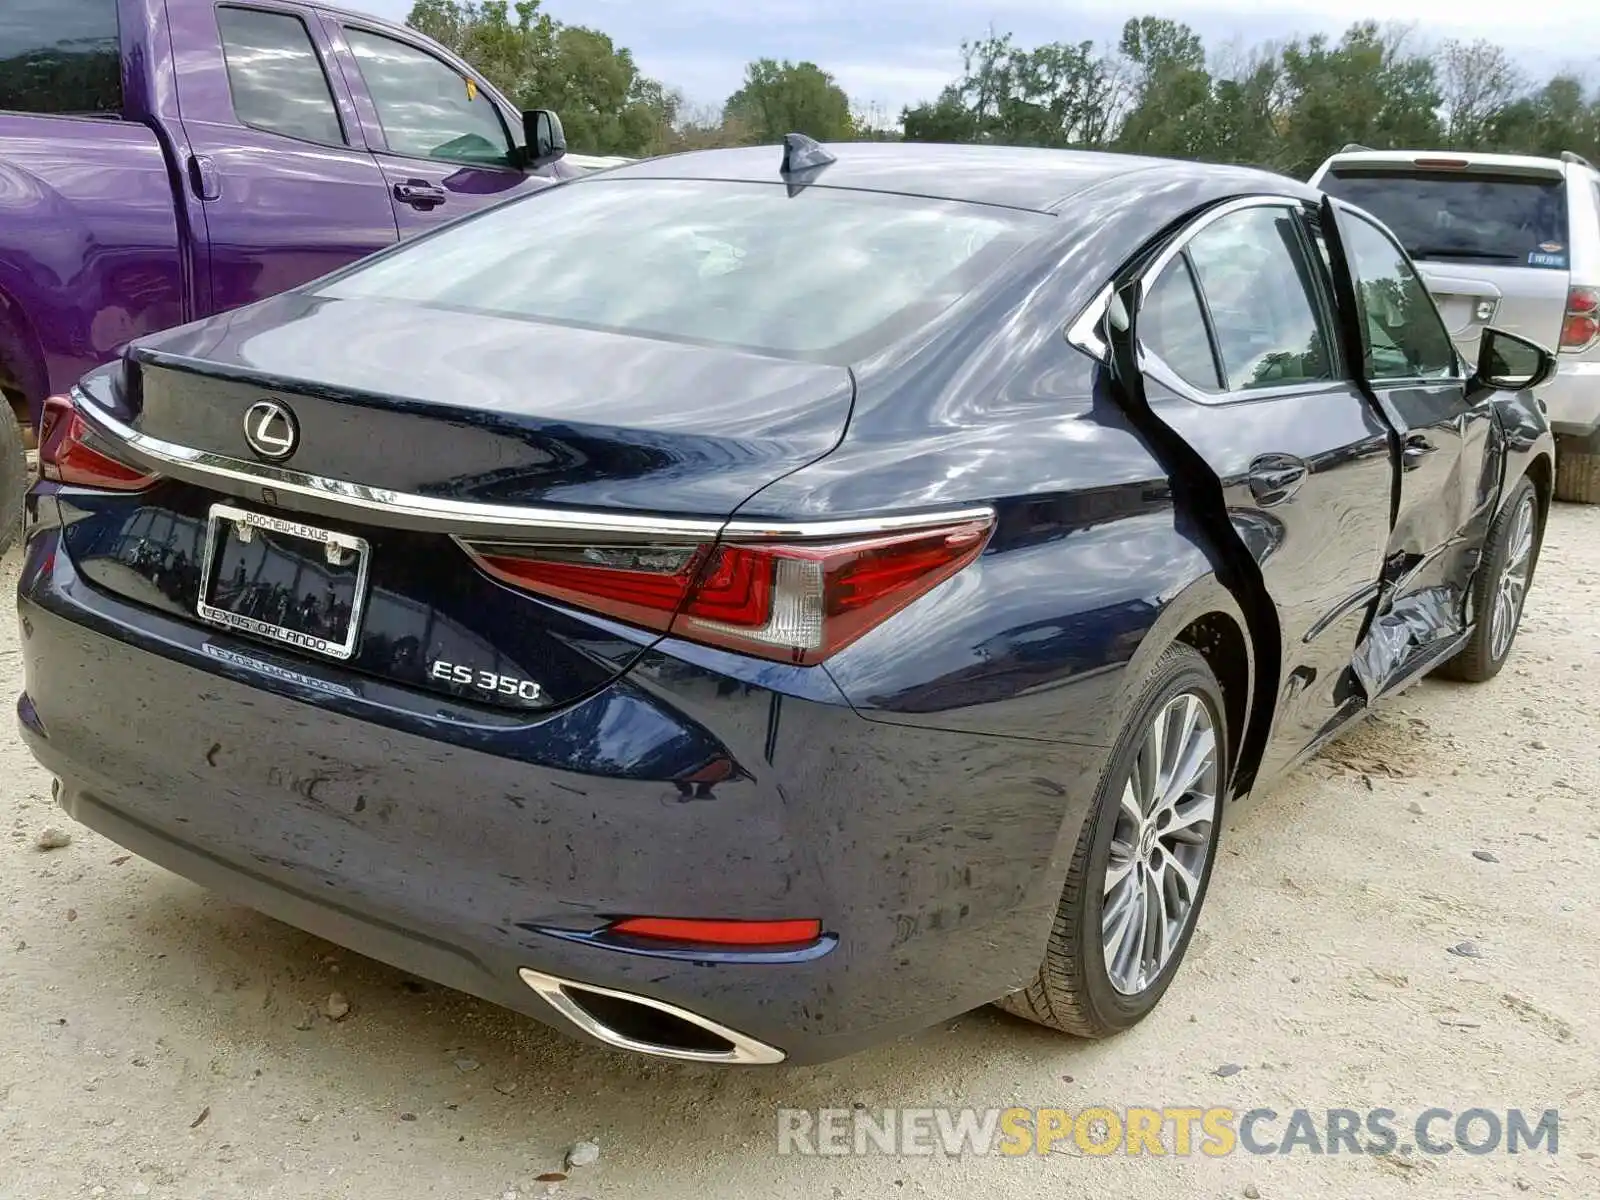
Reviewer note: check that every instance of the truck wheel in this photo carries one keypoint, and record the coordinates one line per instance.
(1501, 586)
(1143, 861)
(1577, 469)
(14, 478)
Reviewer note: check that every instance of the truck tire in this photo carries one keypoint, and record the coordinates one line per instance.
(1577, 469)
(14, 478)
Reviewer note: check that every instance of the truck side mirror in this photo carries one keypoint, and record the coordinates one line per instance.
(1509, 363)
(546, 142)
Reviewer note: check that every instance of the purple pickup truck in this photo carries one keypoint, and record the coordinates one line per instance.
(164, 160)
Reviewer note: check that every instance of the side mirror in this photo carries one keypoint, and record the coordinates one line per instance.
(1510, 363)
(546, 142)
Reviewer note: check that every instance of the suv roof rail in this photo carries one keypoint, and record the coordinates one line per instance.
(1569, 157)
(1354, 147)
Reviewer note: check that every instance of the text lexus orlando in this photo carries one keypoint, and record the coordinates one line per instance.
(739, 606)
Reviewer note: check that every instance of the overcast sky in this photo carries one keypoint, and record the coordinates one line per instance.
(896, 52)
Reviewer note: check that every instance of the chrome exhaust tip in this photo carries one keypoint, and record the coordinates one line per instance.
(647, 1026)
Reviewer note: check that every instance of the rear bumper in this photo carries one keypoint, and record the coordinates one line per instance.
(933, 859)
(1572, 398)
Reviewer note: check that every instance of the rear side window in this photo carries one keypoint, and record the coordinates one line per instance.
(1253, 270)
(1405, 339)
(826, 274)
(60, 56)
(426, 108)
(1517, 220)
(276, 77)
(1172, 326)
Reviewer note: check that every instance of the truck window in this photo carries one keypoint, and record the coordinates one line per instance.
(276, 78)
(60, 56)
(427, 109)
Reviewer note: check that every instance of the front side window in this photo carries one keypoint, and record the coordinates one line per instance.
(426, 108)
(1403, 335)
(275, 76)
(828, 274)
(60, 56)
(1254, 272)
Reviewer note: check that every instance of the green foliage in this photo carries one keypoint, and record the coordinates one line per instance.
(779, 98)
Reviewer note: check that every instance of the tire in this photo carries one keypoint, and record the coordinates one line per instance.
(14, 479)
(1511, 547)
(1075, 990)
(1577, 469)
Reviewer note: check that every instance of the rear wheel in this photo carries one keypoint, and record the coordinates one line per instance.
(1138, 877)
(14, 477)
(1501, 587)
(1578, 469)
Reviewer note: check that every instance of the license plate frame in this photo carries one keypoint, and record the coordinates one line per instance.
(280, 634)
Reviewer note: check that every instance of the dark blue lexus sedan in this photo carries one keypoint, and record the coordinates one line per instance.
(743, 605)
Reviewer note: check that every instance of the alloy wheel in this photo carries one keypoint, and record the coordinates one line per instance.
(1513, 586)
(1160, 844)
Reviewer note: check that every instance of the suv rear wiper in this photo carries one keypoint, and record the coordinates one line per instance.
(1463, 252)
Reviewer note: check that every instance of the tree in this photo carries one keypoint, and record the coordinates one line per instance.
(1173, 109)
(780, 98)
(1477, 81)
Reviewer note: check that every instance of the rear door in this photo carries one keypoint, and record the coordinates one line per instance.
(1450, 457)
(1240, 360)
(1492, 243)
(444, 146)
(288, 189)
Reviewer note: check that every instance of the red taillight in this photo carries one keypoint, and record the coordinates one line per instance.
(1582, 321)
(795, 602)
(720, 933)
(65, 456)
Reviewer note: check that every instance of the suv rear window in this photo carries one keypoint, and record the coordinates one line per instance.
(1518, 220)
(826, 274)
(60, 56)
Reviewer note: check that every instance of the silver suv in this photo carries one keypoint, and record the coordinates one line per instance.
(1508, 240)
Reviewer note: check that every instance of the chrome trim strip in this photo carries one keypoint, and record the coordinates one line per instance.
(744, 1050)
(431, 512)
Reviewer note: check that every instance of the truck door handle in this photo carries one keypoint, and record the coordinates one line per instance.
(1276, 477)
(1417, 448)
(203, 179)
(419, 193)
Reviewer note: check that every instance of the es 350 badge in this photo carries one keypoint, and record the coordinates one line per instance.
(489, 682)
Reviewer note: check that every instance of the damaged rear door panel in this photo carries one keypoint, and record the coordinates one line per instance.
(1265, 431)
(1450, 456)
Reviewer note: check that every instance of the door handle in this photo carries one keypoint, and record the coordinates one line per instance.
(203, 180)
(419, 193)
(1276, 477)
(1416, 449)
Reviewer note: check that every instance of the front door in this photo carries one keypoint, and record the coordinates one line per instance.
(1240, 360)
(444, 145)
(1450, 459)
(276, 160)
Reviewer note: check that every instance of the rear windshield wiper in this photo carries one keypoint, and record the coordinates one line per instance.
(1463, 252)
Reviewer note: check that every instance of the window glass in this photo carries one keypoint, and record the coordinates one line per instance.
(427, 109)
(276, 77)
(827, 274)
(1252, 269)
(1464, 215)
(60, 56)
(1173, 327)
(1404, 336)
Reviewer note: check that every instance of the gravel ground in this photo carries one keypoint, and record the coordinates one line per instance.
(155, 1041)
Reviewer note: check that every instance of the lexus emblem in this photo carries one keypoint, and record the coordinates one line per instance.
(271, 430)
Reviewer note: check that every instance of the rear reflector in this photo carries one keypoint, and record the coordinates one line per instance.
(795, 602)
(1582, 322)
(65, 455)
(720, 933)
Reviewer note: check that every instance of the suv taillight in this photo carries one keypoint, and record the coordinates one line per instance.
(1582, 323)
(794, 602)
(65, 455)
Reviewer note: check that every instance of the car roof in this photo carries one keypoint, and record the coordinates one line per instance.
(1015, 176)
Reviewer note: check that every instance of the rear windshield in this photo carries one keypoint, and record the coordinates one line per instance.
(827, 273)
(1515, 220)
